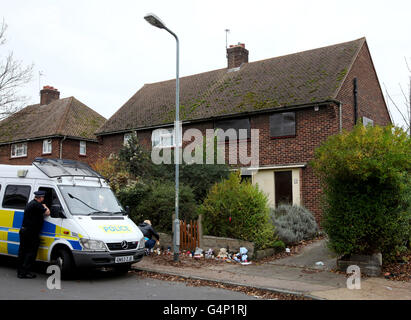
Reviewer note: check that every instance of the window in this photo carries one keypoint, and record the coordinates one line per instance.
(164, 137)
(19, 150)
(83, 148)
(127, 137)
(16, 196)
(51, 199)
(47, 147)
(282, 124)
(367, 121)
(235, 124)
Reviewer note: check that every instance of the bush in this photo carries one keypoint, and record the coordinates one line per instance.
(238, 210)
(293, 223)
(156, 202)
(366, 181)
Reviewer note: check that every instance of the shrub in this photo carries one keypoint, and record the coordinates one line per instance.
(156, 202)
(366, 181)
(293, 223)
(238, 210)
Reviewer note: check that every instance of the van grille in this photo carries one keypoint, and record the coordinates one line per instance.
(116, 246)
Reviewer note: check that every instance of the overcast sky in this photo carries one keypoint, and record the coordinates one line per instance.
(103, 51)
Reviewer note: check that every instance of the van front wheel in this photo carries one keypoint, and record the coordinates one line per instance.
(63, 259)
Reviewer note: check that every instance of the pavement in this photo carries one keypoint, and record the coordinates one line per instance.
(297, 274)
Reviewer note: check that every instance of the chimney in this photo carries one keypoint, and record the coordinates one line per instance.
(48, 94)
(237, 55)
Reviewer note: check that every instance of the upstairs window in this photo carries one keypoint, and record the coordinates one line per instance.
(235, 124)
(164, 137)
(83, 148)
(282, 125)
(19, 150)
(47, 146)
(127, 137)
(16, 196)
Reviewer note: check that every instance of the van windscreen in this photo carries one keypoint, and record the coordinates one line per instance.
(88, 200)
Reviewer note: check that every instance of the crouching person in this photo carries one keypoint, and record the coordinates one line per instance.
(149, 232)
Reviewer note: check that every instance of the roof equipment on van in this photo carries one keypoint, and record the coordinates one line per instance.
(54, 168)
(22, 173)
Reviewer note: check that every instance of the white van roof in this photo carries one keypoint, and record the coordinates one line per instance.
(14, 171)
(51, 168)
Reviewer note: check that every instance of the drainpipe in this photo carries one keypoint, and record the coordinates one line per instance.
(340, 115)
(355, 101)
(61, 147)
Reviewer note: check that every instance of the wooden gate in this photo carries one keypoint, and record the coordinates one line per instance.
(189, 235)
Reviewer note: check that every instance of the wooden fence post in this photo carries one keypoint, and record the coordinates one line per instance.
(200, 231)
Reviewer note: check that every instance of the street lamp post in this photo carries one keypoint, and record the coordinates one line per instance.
(155, 21)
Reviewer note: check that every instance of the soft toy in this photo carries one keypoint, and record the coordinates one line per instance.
(222, 254)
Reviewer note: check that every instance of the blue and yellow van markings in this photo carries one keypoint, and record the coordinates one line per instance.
(10, 224)
(115, 229)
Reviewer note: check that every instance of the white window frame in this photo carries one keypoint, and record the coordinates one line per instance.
(47, 146)
(83, 145)
(366, 121)
(164, 138)
(19, 150)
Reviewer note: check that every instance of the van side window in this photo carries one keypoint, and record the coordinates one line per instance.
(51, 197)
(16, 196)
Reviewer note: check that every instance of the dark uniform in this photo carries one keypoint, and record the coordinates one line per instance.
(30, 236)
(148, 232)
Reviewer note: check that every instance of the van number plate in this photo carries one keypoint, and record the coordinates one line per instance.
(124, 259)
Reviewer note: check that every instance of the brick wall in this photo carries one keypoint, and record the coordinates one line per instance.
(71, 150)
(370, 101)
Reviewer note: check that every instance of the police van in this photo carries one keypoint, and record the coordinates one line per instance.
(87, 226)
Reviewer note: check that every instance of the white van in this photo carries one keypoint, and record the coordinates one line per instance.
(87, 226)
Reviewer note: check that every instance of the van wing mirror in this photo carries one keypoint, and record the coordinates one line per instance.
(56, 211)
(128, 210)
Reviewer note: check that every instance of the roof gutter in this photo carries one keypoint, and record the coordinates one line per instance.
(48, 137)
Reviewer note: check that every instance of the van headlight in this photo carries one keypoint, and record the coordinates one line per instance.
(142, 243)
(92, 245)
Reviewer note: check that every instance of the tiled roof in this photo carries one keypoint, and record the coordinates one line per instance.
(63, 117)
(294, 79)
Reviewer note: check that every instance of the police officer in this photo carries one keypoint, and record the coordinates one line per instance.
(30, 234)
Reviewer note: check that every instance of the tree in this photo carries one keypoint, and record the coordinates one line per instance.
(405, 114)
(13, 75)
(200, 177)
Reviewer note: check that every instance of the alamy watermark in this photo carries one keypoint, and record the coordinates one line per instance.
(354, 280)
(54, 281)
(243, 147)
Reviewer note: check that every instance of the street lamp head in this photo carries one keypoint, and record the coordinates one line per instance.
(154, 20)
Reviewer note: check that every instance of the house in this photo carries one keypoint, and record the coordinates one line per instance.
(55, 128)
(296, 101)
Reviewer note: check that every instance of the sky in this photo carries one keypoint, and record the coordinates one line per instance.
(102, 52)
